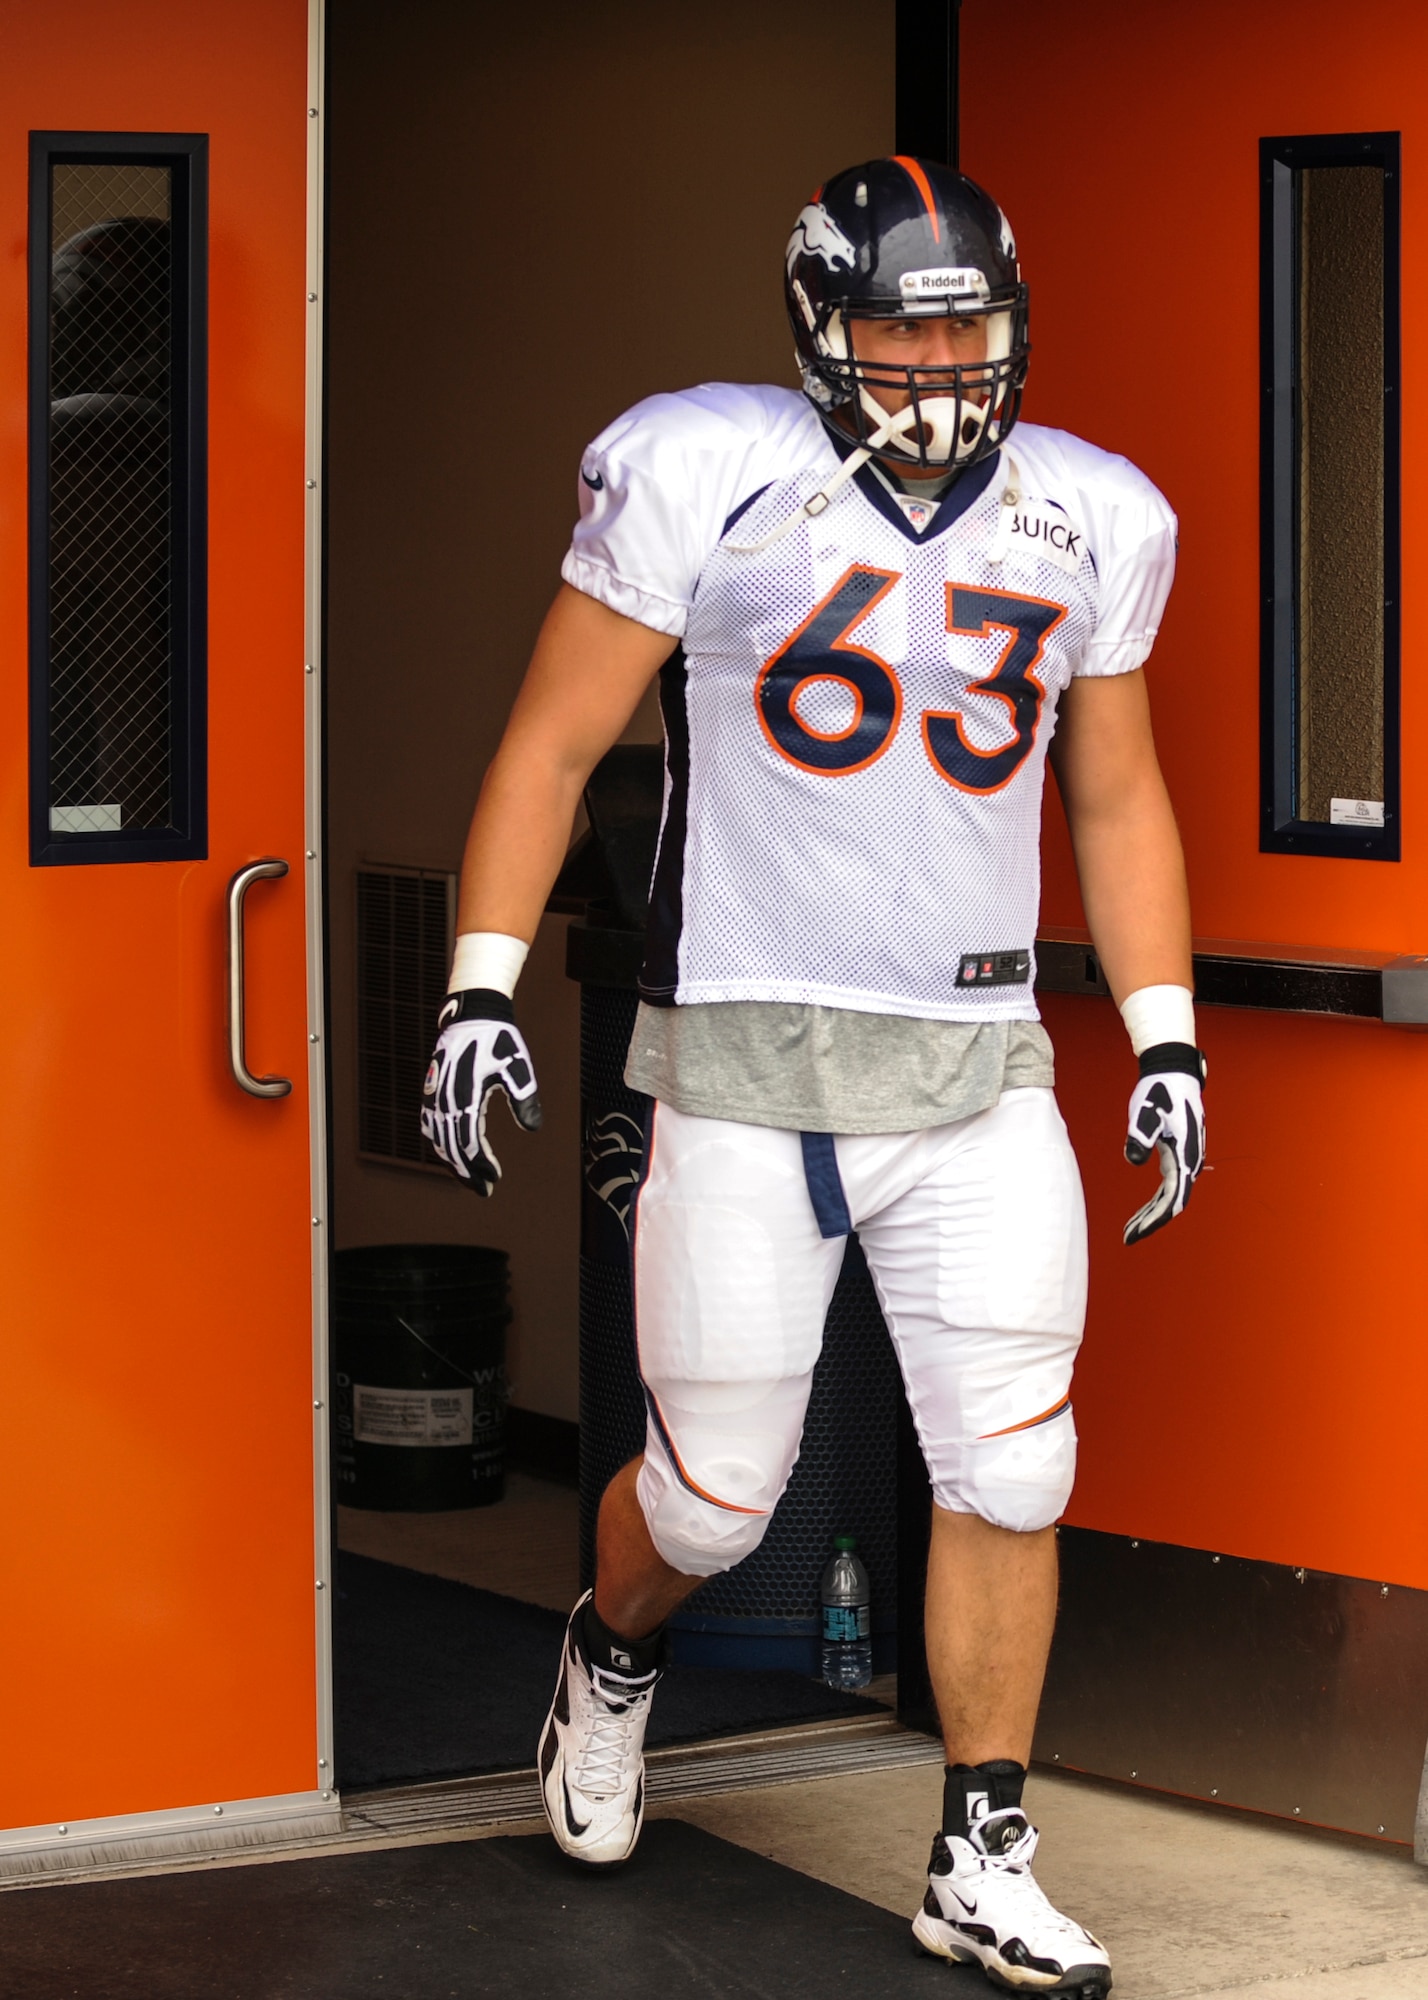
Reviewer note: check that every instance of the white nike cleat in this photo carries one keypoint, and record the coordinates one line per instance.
(985, 1907)
(592, 1767)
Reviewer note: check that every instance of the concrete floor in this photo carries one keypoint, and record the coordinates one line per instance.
(525, 1546)
(1187, 1899)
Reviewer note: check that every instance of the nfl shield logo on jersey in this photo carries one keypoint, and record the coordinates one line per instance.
(916, 512)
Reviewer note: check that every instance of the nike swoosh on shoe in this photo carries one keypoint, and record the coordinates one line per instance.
(574, 1825)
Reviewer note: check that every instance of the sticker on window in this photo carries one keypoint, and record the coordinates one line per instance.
(1356, 812)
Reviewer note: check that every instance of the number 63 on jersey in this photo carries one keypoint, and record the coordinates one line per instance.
(821, 650)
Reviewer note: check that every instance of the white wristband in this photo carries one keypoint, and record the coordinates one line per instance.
(1155, 1014)
(488, 959)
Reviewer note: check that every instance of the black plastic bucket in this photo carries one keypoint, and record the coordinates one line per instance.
(419, 1376)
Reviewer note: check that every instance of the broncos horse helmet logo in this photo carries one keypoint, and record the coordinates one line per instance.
(816, 234)
(614, 1162)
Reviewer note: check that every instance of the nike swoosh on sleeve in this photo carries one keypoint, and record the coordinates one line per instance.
(596, 485)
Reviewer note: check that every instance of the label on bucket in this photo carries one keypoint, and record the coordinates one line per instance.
(411, 1416)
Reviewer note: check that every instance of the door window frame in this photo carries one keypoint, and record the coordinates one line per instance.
(186, 155)
(1281, 160)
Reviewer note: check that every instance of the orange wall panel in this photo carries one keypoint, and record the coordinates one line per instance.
(155, 1225)
(1253, 1378)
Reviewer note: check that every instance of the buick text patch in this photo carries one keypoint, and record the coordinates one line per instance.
(1039, 531)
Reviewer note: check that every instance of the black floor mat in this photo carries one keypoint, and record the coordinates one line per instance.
(435, 1680)
(690, 1914)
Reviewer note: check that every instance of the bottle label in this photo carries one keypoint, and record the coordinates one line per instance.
(843, 1623)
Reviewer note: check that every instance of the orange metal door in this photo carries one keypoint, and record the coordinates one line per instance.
(156, 1367)
(1254, 1378)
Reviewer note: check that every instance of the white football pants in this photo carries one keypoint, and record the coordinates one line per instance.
(975, 1235)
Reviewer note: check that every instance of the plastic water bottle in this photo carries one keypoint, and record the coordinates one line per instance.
(847, 1619)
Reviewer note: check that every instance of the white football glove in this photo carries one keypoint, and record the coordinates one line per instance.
(1167, 1116)
(479, 1051)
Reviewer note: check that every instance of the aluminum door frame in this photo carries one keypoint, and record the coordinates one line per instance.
(315, 884)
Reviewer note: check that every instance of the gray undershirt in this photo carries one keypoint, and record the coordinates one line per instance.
(827, 1069)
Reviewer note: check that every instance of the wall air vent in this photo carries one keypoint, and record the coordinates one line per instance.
(405, 922)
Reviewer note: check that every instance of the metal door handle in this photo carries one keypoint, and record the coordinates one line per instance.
(256, 1086)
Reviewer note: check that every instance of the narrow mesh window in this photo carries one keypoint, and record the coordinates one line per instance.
(1331, 668)
(404, 937)
(116, 755)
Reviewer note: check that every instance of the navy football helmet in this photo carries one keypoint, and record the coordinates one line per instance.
(899, 239)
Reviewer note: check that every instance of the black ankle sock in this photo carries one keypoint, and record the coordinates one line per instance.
(970, 1791)
(604, 1648)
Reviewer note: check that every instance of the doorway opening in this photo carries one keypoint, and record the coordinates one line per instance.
(490, 306)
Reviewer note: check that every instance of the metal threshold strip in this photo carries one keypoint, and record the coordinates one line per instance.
(451, 1808)
(681, 1771)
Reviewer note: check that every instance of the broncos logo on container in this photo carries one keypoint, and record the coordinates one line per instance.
(816, 234)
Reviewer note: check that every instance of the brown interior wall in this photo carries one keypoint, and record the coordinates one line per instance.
(536, 217)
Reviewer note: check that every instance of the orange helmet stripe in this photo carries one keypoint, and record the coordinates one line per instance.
(913, 170)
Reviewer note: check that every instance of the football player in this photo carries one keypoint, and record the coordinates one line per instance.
(875, 607)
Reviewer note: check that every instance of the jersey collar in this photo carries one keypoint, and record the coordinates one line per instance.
(962, 494)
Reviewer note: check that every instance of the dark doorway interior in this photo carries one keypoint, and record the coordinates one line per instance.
(534, 220)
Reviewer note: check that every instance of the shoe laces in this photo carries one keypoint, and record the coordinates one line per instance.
(611, 1742)
(1010, 1863)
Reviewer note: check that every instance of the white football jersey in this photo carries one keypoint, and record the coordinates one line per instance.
(857, 724)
